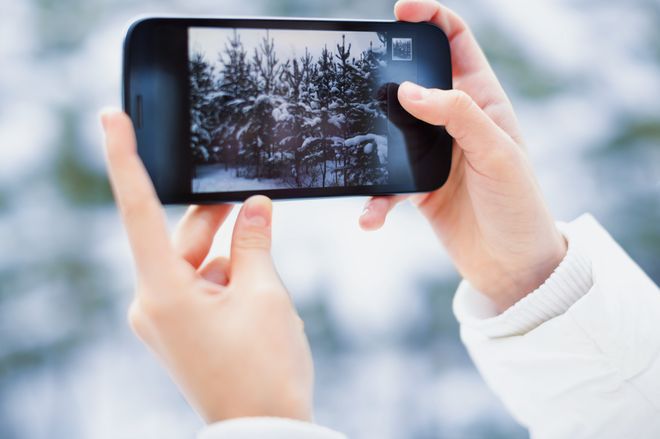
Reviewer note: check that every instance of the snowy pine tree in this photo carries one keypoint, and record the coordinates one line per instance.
(365, 116)
(257, 135)
(202, 88)
(344, 92)
(330, 123)
(291, 118)
(303, 121)
(232, 86)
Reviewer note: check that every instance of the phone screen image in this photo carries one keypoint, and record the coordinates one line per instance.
(275, 108)
(288, 108)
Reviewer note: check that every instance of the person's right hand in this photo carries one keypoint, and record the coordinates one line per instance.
(490, 215)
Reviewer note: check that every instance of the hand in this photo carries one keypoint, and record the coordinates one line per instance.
(490, 215)
(226, 330)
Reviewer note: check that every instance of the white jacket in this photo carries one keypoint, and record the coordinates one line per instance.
(577, 358)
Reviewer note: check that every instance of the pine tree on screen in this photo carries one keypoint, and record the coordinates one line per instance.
(344, 92)
(290, 117)
(232, 85)
(365, 114)
(304, 121)
(257, 135)
(330, 123)
(202, 86)
(311, 154)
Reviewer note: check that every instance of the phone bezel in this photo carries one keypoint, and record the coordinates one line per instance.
(169, 186)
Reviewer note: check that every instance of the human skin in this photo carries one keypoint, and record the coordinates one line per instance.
(490, 215)
(226, 329)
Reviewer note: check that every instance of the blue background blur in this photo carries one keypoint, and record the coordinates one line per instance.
(584, 77)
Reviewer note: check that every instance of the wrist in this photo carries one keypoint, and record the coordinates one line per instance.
(511, 284)
(287, 404)
(569, 282)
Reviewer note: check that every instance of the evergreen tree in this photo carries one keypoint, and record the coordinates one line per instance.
(343, 94)
(202, 86)
(232, 85)
(257, 137)
(313, 128)
(302, 121)
(291, 118)
(365, 115)
(330, 124)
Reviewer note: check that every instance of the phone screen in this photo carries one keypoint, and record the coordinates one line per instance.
(296, 111)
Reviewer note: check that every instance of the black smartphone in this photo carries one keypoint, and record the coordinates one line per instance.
(225, 107)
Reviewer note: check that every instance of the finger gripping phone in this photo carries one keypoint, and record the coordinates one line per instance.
(226, 108)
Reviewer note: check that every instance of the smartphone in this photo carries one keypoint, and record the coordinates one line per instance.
(224, 108)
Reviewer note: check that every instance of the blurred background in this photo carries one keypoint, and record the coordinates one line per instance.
(584, 77)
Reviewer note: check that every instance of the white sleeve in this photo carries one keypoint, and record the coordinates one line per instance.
(578, 357)
(267, 428)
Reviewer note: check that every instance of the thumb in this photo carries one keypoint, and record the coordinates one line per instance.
(474, 131)
(250, 244)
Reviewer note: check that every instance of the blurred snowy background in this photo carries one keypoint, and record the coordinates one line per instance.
(584, 77)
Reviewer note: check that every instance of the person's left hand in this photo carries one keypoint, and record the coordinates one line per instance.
(226, 329)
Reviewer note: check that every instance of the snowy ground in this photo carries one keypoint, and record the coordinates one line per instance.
(215, 178)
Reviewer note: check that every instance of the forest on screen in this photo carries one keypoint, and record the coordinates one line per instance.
(291, 121)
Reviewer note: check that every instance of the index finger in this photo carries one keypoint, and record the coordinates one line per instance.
(136, 199)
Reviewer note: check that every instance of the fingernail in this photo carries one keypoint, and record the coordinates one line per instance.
(413, 92)
(257, 213)
(366, 209)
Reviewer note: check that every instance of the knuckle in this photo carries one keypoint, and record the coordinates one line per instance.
(253, 239)
(151, 312)
(136, 320)
(154, 310)
(460, 101)
(157, 310)
(459, 108)
(450, 106)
